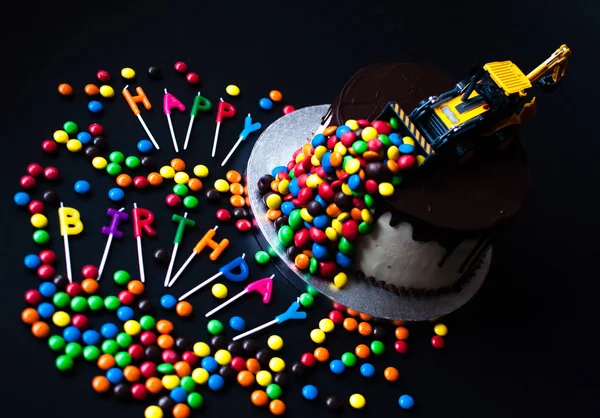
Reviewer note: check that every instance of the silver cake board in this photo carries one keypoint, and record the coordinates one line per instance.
(274, 148)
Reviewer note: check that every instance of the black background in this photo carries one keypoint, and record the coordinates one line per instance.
(525, 346)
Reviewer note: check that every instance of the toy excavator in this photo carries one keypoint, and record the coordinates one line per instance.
(482, 111)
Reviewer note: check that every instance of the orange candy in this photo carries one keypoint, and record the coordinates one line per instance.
(307, 149)
(355, 214)
(91, 90)
(236, 188)
(124, 180)
(321, 354)
(336, 159)
(392, 166)
(178, 164)
(164, 326)
(277, 407)
(259, 398)
(365, 329)
(362, 351)
(65, 89)
(40, 329)
(165, 341)
(182, 369)
(391, 374)
(155, 179)
(365, 317)
(90, 286)
(350, 324)
(132, 374)
(136, 287)
(30, 316)
(275, 186)
(398, 322)
(329, 130)
(184, 308)
(237, 201)
(106, 361)
(100, 384)
(302, 261)
(233, 176)
(245, 378)
(273, 214)
(333, 211)
(195, 185)
(352, 312)
(275, 95)
(253, 365)
(181, 410)
(154, 385)
(401, 333)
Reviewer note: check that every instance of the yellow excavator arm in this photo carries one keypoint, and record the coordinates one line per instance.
(556, 63)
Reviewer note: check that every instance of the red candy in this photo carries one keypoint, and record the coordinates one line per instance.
(375, 144)
(382, 127)
(326, 192)
(290, 165)
(371, 186)
(406, 161)
(148, 338)
(192, 78)
(35, 206)
(73, 289)
(243, 225)
(47, 256)
(189, 357)
(79, 321)
(35, 170)
(51, 147)
(401, 346)
(170, 356)
(33, 297)
(282, 175)
(437, 341)
(348, 138)
(363, 123)
(350, 230)
(308, 359)
(89, 272)
(358, 203)
(140, 182)
(317, 235)
(331, 141)
(328, 268)
(305, 196)
(288, 109)
(238, 364)
(96, 129)
(126, 297)
(320, 172)
(302, 238)
(51, 173)
(45, 272)
(336, 316)
(302, 180)
(27, 182)
(136, 352)
(147, 368)
(139, 391)
(180, 67)
(103, 75)
(223, 215)
(173, 200)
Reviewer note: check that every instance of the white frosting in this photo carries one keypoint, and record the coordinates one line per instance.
(390, 254)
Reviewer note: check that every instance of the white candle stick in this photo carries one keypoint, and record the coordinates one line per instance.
(254, 330)
(227, 272)
(216, 138)
(106, 250)
(200, 286)
(249, 127)
(172, 261)
(140, 255)
(189, 131)
(67, 254)
(141, 119)
(237, 144)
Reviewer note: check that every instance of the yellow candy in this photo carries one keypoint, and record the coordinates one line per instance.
(222, 185)
(182, 178)
(346, 189)
(420, 159)
(232, 90)
(219, 291)
(343, 217)
(352, 166)
(393, 153)
(107, 91)
(369, 133)
(170, 381)
(320, 152)
(61, 319)
(39, 221)
(264, 378)
(223, 357)
(340, 148)
(352, 124)
(314, 160)
(307, 150)
(337, 226)
(277, 364)
(201, 349)
(440, 329)
(305, 215)
(167, 171)
(201, 171)
(200, 376)
(313, 181)
(128, 73)
(340, 280)
(408, 140)
(317, 336)
(283, 187)
(153, 411)
(357, 401)
(275, 342)
(99, 163)
(132, 327)
(331, 234)
(300, 157)
(273, 201)
(326, 325)
(61, 137)
(74, 145)
(366, 216)
(386, 189)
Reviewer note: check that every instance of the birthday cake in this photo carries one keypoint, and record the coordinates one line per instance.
(411, 177)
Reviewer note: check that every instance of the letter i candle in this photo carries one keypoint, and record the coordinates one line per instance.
(111, 231)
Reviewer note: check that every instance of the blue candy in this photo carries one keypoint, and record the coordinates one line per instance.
(109, 330)
(367, 370)
(179, 394)
(354, 181)
(114, 375)
(277, 169)
(395, 139)
(47, 289)
(343, 260)
(320, 252)
(341, 130)
(320, 201)
(95, 106)
(22, 198)
(32, 261)
(216, 382)
(266, 104)
(318, 139)
(288, 207)
(406, 402)
(210, 364)
(125, 313)
(84, 137)
(337, 367)
(91, 337)
(307, 225)
(71, 334)
(326, 163)
(168, 302)
(115, 194)
(82, 187)
(406, 148)
(46, 310)
(321, 221)
(237, 323)
(294, 188)
(144, 146)
(310, 392)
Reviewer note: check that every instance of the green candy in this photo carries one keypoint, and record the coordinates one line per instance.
(113, 169)
(214, 326)
(262, 257)
(368, 200)
(61, 299)
(180, 190)
(349, 359)
(182, 223)
(358, 193)
(385, 140)
(73, 350)
(292, 174)
(95, 303)
(116, 157)
(195, 400)
(124, 339)
(91, 353)
(110, 347)
(64, 363)
(190, 202)
(307, 300)
(313, 266)
(396, 180)
(377, 347)
(286, 235)
(70, 127)
(56, 343)
(312, 291)
(133, 162)
(395, 123)
(346, 247)
(79, 304)
(147, 322)
(272, 252)
(112, 303)
(121, 277)
(364, 228)
(273, 391)
(295, 221)
(41, 237)
(165, 368)
(360, 146)
(188, 384)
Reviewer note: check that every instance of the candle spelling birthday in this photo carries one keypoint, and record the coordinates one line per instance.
(111, 231)
(201, 104)
(132, 101)
(182, 223)
(142, 221)
(262, 286)
(225, 110)
(170, 102)
(70, 224)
